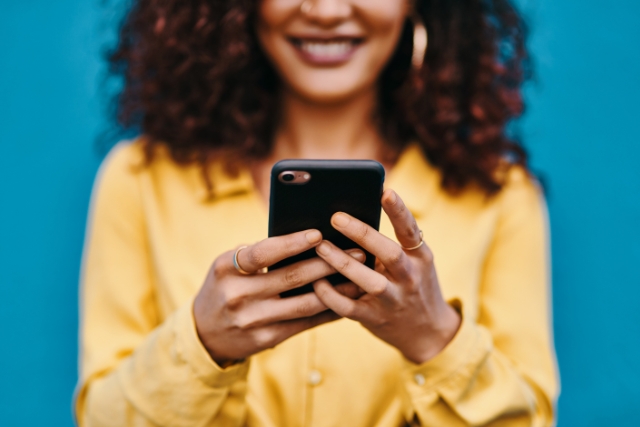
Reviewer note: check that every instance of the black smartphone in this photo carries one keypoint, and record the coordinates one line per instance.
(306, 193)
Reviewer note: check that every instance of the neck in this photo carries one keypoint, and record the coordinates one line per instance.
(344, 130)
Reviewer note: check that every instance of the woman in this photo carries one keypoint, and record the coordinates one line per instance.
(222, 90)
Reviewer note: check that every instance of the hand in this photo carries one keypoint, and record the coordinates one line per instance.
(239, 315)
(403, 304)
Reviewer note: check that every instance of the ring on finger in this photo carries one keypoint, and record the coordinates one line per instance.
(235, 261)
(413, 248)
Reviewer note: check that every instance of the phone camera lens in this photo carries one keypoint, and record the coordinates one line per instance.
(288, 177)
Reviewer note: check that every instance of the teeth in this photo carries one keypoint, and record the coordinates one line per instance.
(326, 49)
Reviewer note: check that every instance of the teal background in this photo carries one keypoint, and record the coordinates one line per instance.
(581, 129)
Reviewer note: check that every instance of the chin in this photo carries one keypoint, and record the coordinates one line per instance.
(328, 91)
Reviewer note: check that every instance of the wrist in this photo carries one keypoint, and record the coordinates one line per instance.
(219, 359)
(429, 345)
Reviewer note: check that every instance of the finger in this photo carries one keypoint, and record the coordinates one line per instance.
(379, 267)
(349, 290)
(342, 305)
(279, 332)
(272, 335)
(404, 224)
(293, 276)
(268, 312)
(385, 249)
(269, 251)
(297, 307)
(370, 281)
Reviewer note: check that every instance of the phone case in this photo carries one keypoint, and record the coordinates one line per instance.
(351, 186)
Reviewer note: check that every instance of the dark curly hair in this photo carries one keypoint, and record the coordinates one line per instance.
(196, 81)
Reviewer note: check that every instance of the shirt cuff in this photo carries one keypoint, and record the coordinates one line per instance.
(454, 363)
(194, 353)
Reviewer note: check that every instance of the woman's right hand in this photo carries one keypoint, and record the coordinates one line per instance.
(239, 315)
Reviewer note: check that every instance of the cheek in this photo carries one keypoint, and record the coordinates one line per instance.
(274, 16)
(383, 20)
(276, 12)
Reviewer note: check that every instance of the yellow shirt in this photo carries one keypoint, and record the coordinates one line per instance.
(153, 235)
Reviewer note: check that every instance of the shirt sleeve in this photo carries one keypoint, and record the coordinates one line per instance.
(499, 370)
(134, 369)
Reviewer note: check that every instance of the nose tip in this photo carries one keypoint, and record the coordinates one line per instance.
(326, 12)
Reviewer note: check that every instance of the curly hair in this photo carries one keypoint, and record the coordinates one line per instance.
(195, 80)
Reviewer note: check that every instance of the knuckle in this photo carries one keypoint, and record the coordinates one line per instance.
(413, 284)
(219, 267)
(380, 322)
(345, 264)
(258, 256)
(349, 310)
(379, 289)
(413, 229)
(362, 232)
(396, 255)
(321, 291)
(304, 308)
(264, 338)
(234, 300)
(293, 277)
(244, 322)
(428, 254)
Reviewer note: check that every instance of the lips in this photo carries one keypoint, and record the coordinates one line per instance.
(326, 51)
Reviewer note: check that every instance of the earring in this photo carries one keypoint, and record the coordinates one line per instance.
(305, 7)
(420, 40)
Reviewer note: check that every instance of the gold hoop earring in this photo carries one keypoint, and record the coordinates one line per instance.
(420, 41)
(305, 7)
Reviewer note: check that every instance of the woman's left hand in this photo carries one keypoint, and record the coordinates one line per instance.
(402, 304)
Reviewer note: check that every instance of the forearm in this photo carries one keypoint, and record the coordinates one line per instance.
(168, 380)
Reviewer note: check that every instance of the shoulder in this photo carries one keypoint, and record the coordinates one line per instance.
(521, 202)
(150, 172)
(122, 163)
(520, 199)
(116, 188)
(117, 183)
(520, 186)
(128, 162)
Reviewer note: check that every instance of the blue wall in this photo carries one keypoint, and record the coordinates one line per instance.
(580, 128)
(582, 131)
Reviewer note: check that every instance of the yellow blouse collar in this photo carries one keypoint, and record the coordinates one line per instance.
(413, 178)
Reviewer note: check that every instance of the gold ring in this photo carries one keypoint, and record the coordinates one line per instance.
(235, 261)
(305, 7)
(413, 248)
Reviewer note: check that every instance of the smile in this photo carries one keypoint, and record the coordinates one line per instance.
(326, 51)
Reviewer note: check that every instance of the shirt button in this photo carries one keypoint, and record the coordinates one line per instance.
(315, 377)
(419, 379)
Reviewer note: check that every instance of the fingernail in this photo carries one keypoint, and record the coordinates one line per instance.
(341, 220)
(359, 255)
(313, 236)
(323, 248)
